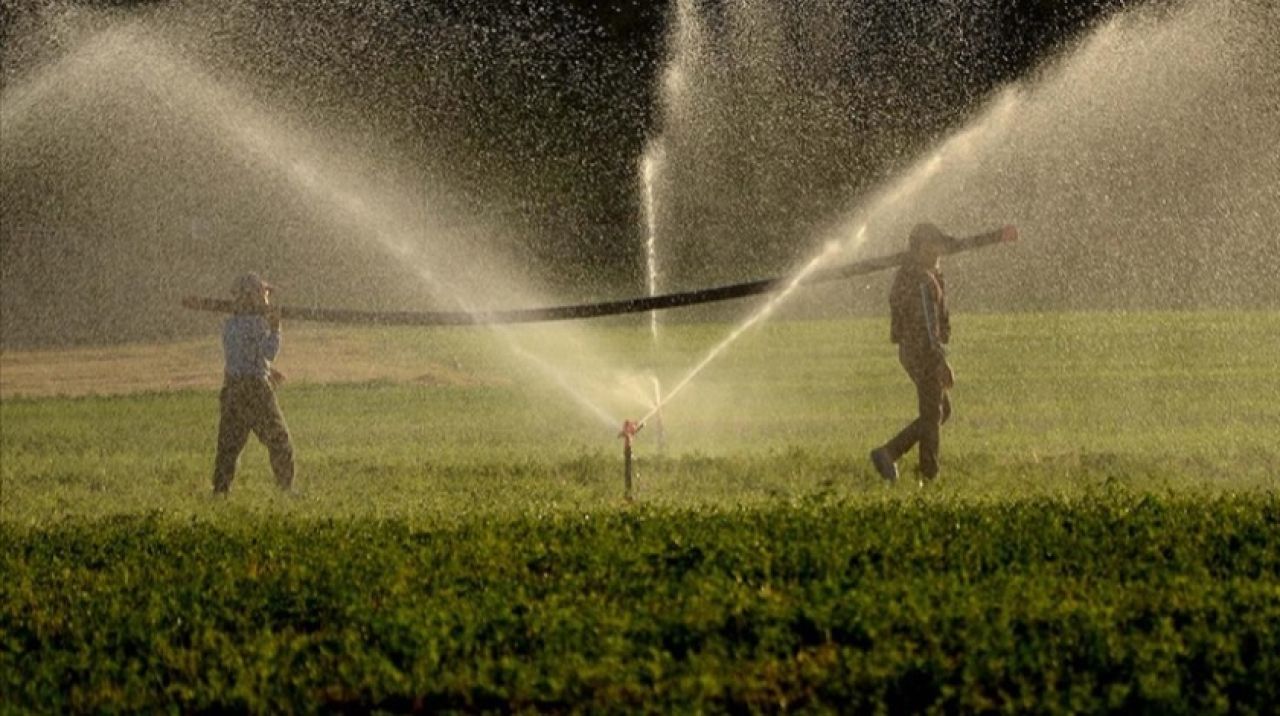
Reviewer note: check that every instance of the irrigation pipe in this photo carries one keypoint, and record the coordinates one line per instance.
(592, 310)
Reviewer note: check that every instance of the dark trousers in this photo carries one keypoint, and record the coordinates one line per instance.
(926, 371)
(249, 405)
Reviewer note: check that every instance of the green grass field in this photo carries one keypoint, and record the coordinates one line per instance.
(1105, 534)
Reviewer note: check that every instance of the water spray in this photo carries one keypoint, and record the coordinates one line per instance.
(1005, 234)
(648, 174)
(657, 415)
(184, 89)
(811, 273)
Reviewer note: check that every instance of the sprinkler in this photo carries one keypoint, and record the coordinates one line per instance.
(629, 430)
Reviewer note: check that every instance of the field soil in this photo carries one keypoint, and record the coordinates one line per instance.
(311, 355)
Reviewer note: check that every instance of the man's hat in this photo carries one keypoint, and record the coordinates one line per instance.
(249, 284)
(926, 234)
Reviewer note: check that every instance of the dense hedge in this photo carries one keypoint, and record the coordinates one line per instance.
(1136, 603)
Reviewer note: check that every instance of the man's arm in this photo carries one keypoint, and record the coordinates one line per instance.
(271, 342)
(928, 308)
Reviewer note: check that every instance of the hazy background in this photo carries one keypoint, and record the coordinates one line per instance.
(407, 155)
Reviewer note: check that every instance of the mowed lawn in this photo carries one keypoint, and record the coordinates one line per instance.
(1105, 535)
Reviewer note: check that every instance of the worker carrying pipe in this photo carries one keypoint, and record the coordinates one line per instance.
(921, 327)
(606, 308)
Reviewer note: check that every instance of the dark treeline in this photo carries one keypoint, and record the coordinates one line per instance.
(543, 105)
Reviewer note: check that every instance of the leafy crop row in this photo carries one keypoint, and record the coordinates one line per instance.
(1114, 601)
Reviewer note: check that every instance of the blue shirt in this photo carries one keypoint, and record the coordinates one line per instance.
(249, 345)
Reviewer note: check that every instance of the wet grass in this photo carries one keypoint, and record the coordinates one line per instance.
(1045, 404)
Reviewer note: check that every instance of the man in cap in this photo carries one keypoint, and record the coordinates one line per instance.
(250, 342)
(921, 327)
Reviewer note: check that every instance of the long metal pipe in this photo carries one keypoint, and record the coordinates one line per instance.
(594, 310)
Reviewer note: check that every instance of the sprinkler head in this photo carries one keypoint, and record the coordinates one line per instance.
(629, 429)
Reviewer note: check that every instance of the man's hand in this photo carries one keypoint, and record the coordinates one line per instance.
(946, 375)
(276, 378)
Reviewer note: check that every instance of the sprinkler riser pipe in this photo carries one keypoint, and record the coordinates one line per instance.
(627, 471)
(629, 430)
